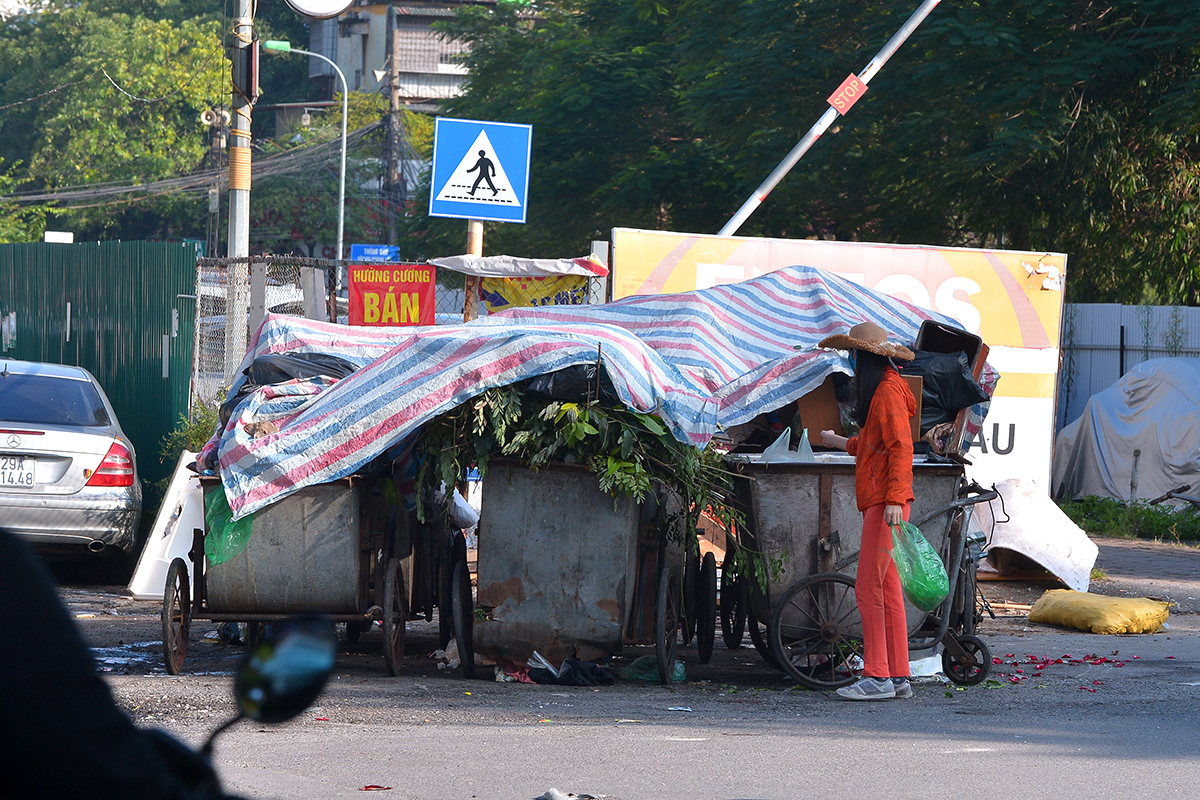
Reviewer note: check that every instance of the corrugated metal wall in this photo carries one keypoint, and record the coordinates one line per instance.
(121, 296)
(1102, 341)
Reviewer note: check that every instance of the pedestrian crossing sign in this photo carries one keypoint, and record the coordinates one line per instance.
(480, 170)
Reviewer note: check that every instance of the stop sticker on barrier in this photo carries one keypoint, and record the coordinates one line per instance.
(847, 94)
(391, 294)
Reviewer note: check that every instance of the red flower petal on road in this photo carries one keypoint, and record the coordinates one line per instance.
(1170, 656)
(321, 719)
(374, 787)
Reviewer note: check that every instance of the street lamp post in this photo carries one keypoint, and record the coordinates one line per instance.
(286, 47)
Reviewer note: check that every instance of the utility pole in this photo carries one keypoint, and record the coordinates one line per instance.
(239, 301)
(394, 186)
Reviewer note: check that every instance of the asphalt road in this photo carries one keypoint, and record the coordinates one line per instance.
(1119, 717)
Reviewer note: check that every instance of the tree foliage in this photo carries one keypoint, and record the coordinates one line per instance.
(1037, 124)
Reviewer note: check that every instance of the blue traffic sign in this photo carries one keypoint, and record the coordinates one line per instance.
(480, 170)
(374, 252)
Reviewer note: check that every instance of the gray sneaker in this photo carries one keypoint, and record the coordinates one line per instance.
(902, 688)
(868, 689)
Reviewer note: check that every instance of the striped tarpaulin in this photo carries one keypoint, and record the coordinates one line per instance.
(425, 372)
(739, 341)
(703, 359)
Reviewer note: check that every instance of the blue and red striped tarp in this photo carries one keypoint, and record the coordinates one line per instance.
(704, 359)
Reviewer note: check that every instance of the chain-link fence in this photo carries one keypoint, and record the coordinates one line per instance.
(301, 287)
(296, 286)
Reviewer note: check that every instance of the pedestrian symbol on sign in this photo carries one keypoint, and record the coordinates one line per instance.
(463, 185)
(484, 165)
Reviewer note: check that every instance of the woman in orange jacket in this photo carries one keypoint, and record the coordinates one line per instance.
(883, 451)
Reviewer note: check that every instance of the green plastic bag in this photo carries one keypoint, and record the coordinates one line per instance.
(922, 573)
(225, 538)
(645, 668)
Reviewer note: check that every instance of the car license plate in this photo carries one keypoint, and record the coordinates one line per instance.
(17, 472)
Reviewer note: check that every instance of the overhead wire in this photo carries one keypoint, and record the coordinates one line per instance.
(198, 183)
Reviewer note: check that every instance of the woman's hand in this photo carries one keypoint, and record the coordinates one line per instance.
(893, 515)
(831, 439)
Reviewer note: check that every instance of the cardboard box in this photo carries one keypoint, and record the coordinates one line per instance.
(818, 410)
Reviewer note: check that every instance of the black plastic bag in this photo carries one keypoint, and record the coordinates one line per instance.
(282, 367)
(574, 672)
(575, 384)
(947, 386)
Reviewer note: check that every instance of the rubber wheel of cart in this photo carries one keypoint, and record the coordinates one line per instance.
(733, 610)
(971, 674)
(395, 615)
(706, 608)
(447, 548)
(691, 583)
(666, 624)
(463, 609)
(970, 610)
(758, 637)
(176, 616)
(254, 632)
(816, 632)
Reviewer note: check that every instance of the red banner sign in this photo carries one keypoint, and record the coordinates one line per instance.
(391, 294)
(847, 94)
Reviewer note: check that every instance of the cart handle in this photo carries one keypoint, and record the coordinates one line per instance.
(984, 496)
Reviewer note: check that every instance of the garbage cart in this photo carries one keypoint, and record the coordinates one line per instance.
(335, 548)
(559, 563)
(804, 515)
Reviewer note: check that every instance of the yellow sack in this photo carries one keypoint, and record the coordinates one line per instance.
(1098, 613)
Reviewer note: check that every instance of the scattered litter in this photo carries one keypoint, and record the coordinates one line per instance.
(85, 616)
(373, 787)
(645, 668)
(321, 719)
(638, 720)
(679, 708)
(555, 794)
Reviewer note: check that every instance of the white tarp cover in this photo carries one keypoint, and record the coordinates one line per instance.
(1035, 529)
(1155, 408)
(513, 267)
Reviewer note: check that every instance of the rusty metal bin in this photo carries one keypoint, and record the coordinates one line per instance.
(557, 564)
(808, 514)
(302, 555)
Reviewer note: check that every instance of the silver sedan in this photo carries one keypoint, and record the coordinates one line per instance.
(68, 477)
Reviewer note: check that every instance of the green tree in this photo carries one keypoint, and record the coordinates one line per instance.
(1034, 124)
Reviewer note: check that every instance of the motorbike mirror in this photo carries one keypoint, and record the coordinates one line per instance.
(286, 669)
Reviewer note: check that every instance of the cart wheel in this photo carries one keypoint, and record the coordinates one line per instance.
(968, 674)
(816, 631)
(176, 616)
(733, 610)
(354, 632)
(463, 610)
(706, 608)
(445, 573)
(758, 638)
(395, 614)
(691, 594)
(970, 611)
(666, 624)
(254, 633)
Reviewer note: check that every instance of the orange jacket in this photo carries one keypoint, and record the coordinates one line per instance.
(883, 449)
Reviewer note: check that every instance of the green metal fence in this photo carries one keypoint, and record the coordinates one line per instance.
(122, 310)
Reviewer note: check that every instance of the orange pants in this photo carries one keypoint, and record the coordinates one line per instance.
(881, 600)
